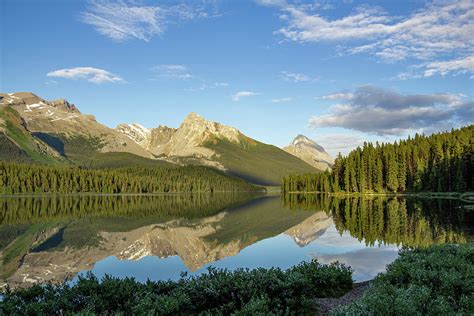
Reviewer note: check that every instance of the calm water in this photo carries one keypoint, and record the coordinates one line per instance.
(158, 237)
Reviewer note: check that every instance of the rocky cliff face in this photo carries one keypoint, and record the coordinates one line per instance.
(186, 141)
(189, 138)
(135, 132)
(310, 152)
(159, 136)
(150, 139)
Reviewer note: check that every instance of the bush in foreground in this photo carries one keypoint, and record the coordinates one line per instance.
(259, 291)
(430, 281)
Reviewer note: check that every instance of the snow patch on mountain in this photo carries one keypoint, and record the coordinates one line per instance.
(136, 132)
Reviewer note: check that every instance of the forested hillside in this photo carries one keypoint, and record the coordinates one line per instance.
(442, 162)
(30, 178)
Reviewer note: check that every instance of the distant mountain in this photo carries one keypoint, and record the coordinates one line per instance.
(52, 131)
(200, 141)
(310, 152)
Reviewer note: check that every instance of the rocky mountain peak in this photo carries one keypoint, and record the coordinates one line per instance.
(201, 129)
(19, 98)
(32, 101)
(193, 117)
(301, 140)
(309, 151)
(64, 105)
(27, 97)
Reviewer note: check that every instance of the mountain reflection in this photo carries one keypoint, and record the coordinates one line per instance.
(51, 238)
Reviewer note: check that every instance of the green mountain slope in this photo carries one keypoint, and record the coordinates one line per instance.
(86, 151)
(18, 144)
(257, 162)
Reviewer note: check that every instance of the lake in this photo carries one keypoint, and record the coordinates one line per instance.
(57, 238)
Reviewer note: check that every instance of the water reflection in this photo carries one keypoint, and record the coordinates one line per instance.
(400, 221)
(55, 238)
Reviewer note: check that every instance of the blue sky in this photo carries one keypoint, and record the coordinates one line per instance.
(339, 72)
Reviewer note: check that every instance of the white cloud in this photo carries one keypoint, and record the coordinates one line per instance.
(295, 77)
(457, 66)
(219, 84)
(124, 20)
(283, 100)
(172, 71)
(366, 263)
(439, 32)
(242, 94)
(94, 75)
(338, 96)
(204, 86)
(385, 112)
(462, 65)
(271, 3)
(407, 75)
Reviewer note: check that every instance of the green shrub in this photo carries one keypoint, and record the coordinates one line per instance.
(219, 291)
(428, 281)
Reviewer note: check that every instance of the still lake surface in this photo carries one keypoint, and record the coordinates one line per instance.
(57, 238)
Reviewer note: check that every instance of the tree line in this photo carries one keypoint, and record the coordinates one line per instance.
(442, 162)
(30, 178)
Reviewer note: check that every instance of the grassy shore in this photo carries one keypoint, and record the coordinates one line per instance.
(217, 292)
(430, 281)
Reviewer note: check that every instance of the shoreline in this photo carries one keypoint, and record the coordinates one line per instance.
(457, 195)
(324, 306)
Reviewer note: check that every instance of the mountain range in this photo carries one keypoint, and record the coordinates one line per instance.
(34, 129)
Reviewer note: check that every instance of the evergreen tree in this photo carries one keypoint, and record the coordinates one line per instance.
(442, 162)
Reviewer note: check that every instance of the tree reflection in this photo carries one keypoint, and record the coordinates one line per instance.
(391, 220)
